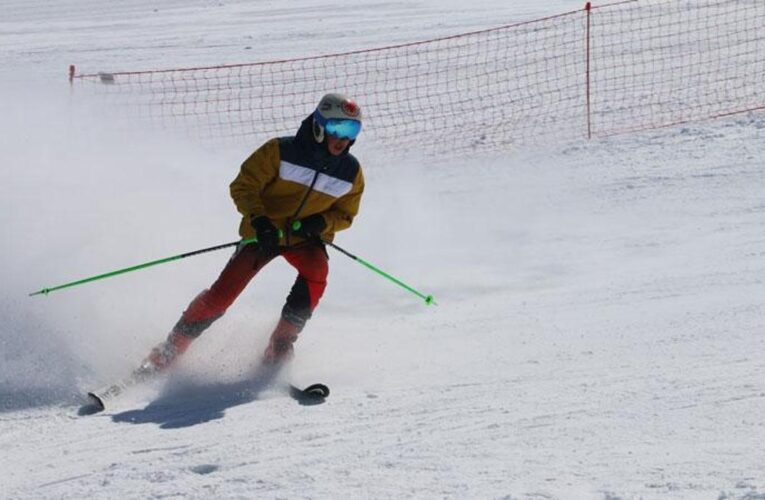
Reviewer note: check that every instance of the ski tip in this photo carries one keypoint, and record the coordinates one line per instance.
(312, 395)
(95, 401)
(317, 390)
(92, 406)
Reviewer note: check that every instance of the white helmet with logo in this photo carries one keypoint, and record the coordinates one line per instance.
(336, 115)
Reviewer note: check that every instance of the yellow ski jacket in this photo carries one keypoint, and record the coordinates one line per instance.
(290, 178)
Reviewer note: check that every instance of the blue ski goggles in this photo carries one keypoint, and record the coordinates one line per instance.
(340, 128)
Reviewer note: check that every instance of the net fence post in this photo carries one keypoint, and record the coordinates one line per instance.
(588, 10)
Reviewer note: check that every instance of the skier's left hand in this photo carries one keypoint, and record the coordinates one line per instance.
(311, 226)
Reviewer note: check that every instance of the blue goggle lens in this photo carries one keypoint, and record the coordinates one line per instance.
(342, 129)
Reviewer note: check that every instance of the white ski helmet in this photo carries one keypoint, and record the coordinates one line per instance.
(336, 115)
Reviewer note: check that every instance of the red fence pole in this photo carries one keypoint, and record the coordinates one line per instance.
(588, 8)
(71, 73)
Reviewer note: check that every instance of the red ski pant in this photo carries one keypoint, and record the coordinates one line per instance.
(310, 260)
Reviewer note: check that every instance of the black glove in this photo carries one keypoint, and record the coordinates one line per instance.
(267, 235)
(311, 226)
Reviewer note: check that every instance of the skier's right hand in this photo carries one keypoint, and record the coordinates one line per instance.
(267, 235)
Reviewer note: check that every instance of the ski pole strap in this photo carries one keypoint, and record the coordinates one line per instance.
(46, 291)
(429, 300)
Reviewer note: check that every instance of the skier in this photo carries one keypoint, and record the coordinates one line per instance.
(292, 192)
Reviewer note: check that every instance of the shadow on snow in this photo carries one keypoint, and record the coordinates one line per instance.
(190, 404)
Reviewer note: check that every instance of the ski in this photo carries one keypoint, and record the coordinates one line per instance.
(100, 398)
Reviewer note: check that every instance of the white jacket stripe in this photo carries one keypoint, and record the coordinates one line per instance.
(324, 184)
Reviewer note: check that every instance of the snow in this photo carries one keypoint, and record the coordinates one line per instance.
(599, 332)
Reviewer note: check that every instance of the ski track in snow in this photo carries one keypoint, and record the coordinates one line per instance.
(599, 332)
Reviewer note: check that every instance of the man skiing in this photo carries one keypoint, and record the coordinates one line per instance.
(293, 194)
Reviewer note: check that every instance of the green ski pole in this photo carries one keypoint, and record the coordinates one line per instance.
(427, 298)
(46, 291)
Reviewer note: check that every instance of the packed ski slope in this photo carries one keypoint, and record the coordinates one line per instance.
(600, 325)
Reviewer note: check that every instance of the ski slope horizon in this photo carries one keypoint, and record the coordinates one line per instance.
(600, 317)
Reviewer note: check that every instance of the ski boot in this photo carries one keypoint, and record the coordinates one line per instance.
(163, 355)
(278, 354)
(280, 349)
